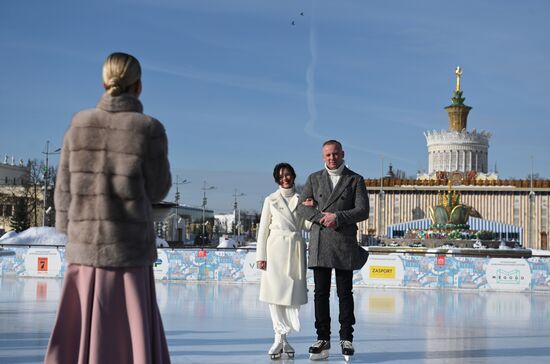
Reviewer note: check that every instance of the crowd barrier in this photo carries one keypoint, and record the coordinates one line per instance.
(430, 271)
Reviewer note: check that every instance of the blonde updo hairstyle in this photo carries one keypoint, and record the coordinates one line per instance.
(120, 72)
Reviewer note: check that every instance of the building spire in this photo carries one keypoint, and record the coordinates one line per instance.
(458, 112)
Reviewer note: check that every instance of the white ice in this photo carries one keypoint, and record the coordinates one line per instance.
(224, 323)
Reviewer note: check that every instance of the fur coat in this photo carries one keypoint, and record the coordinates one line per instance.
(113, 166)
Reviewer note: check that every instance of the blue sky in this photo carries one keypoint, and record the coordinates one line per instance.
(239, 88)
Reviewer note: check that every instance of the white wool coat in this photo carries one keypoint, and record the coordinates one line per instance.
(281, 245)
(113, 166)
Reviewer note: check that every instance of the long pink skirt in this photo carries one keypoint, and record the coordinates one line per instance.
(108, 315)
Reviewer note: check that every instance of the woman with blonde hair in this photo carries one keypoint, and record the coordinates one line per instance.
(113, 166)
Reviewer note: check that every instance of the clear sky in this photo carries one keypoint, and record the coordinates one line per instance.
(240, 88)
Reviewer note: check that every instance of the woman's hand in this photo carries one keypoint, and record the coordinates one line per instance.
(309, 202)
(261, 264)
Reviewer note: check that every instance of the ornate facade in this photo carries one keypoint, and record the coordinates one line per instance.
(457, 151)
(509, 202)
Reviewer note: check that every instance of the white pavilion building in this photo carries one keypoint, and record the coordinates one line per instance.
(457, 149)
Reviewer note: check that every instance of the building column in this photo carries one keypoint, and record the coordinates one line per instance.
(456, 161)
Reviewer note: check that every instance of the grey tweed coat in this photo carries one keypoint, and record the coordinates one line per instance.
(113, 165)
(335, 248)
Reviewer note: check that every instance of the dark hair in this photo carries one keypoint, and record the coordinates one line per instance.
(333, 142)
(278, 168)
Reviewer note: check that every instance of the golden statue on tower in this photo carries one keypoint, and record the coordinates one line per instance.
(458, 73)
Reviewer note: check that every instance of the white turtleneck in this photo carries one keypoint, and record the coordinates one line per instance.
(335, 174)
(286, 193)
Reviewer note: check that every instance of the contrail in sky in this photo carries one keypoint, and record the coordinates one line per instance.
(310, 96)
(310, 80)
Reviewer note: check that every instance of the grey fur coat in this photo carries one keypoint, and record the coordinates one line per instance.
(335, 248)
(113, 165)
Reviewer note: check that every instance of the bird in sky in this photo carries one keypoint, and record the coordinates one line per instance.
(293, 22)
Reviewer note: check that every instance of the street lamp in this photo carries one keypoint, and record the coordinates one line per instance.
(381, 202)
(237, 216)
(177, 199)
(531, 208)
(46, 177)
(204, 189)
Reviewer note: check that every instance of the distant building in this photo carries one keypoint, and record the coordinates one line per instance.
(457, 150)
(461, 157)
(180, 223)
(13, 177)
(243, 229)
(506, 201)
(224, 223)
(12, 174)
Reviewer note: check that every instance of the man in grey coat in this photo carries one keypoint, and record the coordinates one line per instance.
(334, 199)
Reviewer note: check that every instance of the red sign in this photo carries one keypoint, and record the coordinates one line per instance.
(42, 264)
(201, 254)
(440, 260)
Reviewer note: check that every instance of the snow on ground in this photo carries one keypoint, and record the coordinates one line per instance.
(35, 236)
(539, 252)
(9, 234)
(226, 242)
(161, 243)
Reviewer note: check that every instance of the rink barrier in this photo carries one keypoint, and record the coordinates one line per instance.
(429, 271)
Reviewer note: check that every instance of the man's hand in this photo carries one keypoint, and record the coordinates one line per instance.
(328, 220)
(261, 264)
(309, 202)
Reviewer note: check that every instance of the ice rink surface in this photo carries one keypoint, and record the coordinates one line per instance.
(225, 323)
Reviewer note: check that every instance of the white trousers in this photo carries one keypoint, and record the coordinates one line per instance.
(285, 318)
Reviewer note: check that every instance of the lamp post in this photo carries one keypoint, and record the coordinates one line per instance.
(531, 208)
(204, 189)
(237, 216)
(381, 202)
(46, 177)
(177, 199)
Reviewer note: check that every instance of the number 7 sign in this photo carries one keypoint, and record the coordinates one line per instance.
(42, 264)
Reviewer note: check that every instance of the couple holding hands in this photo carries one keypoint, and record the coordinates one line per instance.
(332, 202)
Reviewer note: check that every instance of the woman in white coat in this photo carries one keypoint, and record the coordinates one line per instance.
(281, 255)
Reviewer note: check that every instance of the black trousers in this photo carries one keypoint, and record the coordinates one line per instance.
(344, 284)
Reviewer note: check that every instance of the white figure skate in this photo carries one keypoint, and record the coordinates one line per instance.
(277, 348)
(287, 348)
